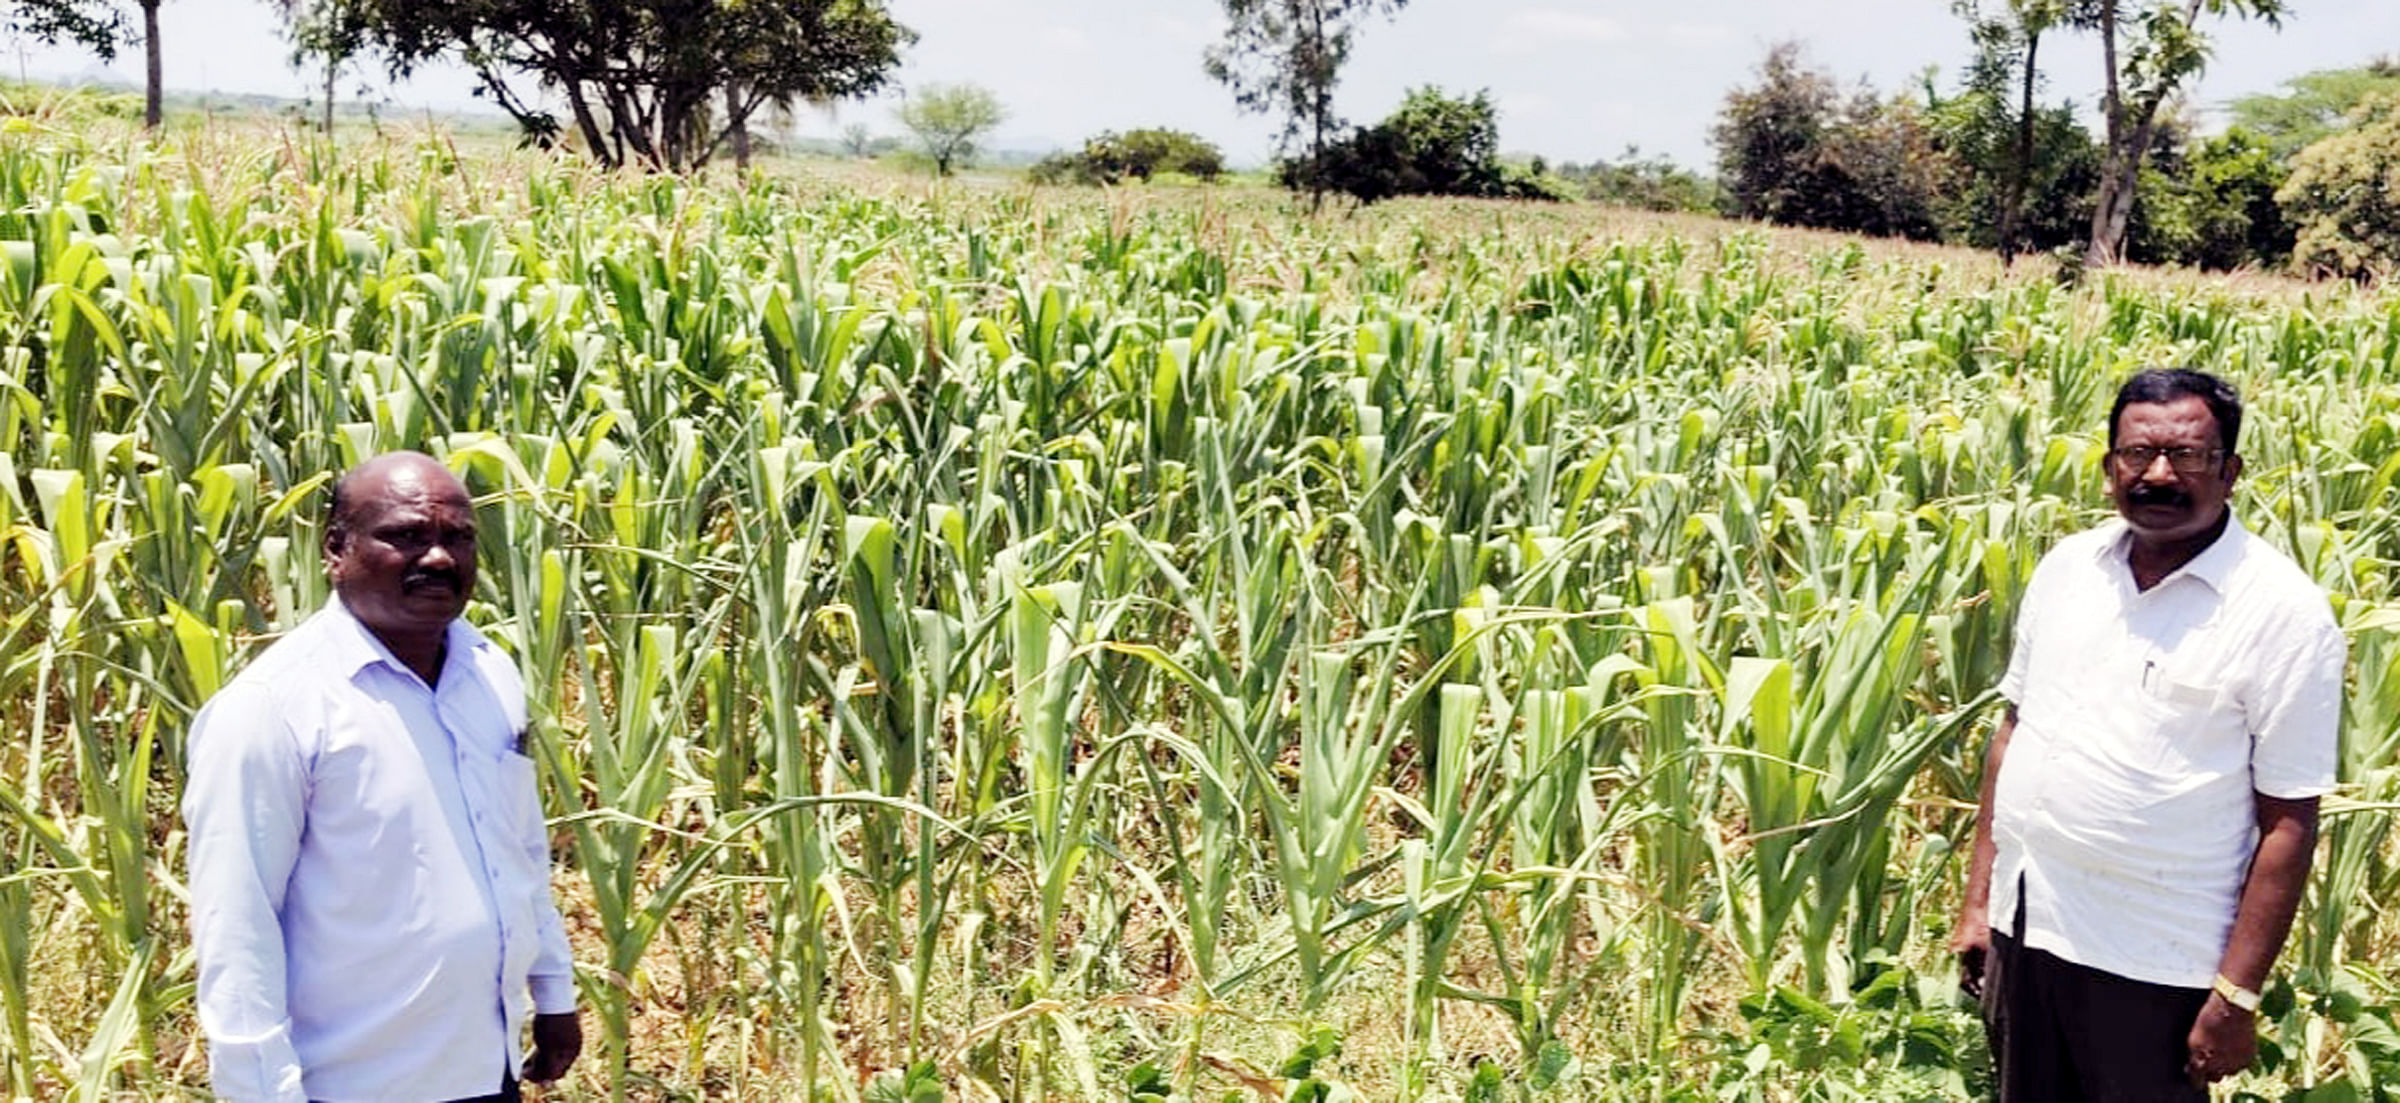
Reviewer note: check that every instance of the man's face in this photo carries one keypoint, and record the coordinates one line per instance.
(404, 562)
(2162, 503)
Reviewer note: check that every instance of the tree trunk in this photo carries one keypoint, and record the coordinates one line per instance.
(2102, 248)
(332, 69)
(153, 105)
(2128, 142)
(593, 140)
(2012, 201)
(1320, 111)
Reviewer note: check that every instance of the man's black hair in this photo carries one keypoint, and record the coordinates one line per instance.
(2169, 384)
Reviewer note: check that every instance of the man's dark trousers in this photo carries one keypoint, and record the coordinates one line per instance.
(508, 1093)
(2062, 1032)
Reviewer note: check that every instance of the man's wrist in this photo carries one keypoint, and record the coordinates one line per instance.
(2235, 995)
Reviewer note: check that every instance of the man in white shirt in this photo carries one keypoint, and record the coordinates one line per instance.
(369, 866)
(2150, 799)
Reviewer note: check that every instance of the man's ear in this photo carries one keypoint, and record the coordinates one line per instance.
(2233, 468)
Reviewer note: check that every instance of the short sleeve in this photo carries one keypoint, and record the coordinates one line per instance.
(2294, 706)
(2029, 608)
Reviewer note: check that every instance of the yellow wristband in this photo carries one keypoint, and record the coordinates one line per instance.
(2235, 994)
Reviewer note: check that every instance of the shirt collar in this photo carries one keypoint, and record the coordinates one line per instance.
(355, 648)
(2213, 566)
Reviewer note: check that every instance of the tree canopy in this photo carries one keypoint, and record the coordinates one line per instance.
(2341, 197)
(660, 83)
(96, 25)
(949, 120)
(2313, 105)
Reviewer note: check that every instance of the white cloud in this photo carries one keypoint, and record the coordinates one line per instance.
(1527, 30)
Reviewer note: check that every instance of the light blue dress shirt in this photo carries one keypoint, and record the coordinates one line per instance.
(369, 873)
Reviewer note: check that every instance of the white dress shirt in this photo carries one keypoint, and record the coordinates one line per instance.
(2146, 721)
(369, 873)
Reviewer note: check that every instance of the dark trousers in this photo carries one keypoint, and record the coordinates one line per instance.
(2062, 1032)
(508, 1093)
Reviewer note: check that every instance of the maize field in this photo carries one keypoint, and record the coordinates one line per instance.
(1008, 644)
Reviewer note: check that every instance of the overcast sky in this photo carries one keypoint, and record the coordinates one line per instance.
(1575, 79)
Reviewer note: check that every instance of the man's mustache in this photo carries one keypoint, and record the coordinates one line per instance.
(2147, 494)
(418, 580)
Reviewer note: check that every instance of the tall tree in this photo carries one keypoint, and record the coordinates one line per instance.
(2013, 29)
(153, 69)
(659, 83)
(2149, 48)
(1285, 56)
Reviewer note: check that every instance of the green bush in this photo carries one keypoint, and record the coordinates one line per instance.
(1651, 184)
(1434, 144)
(1136, 154)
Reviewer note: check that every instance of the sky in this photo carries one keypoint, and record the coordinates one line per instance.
(1575, 80)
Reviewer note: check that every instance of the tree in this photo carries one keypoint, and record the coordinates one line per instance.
(858, 141)
(2313, 105)
(95, 25)
(2027, 171)
(1768, 139)
(331, 30)
(2008, 41)
(153, 69)
(1434, 144)
(2341, 199)
(662, 83)
(2144, 68)
(1793, 150)
(949, 120)
(1285, 56)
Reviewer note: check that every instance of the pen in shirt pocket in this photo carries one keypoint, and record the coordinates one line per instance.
(2149, 668)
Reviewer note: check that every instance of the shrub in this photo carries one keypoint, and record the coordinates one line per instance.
(1651, 184)
(1139, 154)
(1434, 144)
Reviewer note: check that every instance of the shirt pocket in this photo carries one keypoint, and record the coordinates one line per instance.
(2193, 726)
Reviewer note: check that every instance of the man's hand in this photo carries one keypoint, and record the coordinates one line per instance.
(557, 1039)
(1972, 942)
(2223, 1041)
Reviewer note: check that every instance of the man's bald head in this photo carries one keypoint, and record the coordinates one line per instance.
(371, 475)
(400, 547)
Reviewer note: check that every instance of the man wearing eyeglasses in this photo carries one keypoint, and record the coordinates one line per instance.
(2150, 799)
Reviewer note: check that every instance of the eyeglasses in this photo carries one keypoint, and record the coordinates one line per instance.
(2137, 458)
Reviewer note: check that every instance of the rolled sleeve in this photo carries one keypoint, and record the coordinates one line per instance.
(2295, 711)
(244, 809)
